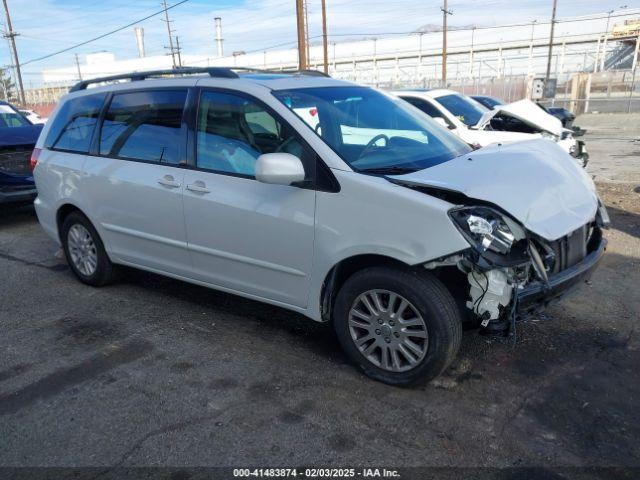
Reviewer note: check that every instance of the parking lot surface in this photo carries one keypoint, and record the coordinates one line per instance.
(152, 371)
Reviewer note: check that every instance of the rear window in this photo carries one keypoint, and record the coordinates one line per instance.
(144, 126)
(10, 118)
(73, 126)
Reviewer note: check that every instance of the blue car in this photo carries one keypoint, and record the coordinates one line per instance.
(18, 137)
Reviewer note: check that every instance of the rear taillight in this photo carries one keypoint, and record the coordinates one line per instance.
(34, 158)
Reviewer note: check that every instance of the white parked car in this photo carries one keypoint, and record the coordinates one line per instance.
(318, 195)
(478, 125)
(33, 117)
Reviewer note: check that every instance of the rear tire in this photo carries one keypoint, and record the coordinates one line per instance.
(85, 251)
(398, 352)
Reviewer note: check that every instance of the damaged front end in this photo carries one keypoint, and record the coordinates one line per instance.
(511, 272)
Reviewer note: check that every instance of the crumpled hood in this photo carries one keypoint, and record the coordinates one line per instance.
(534, 181)
(528, 112)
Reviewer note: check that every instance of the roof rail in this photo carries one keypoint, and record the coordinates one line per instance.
(310, 73)
(218, 72)
(221, 72)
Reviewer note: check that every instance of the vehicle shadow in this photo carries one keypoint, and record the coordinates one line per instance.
(16, 213)
(625, 221)
(268, 320)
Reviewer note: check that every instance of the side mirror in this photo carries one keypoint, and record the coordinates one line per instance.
(443, 123)
(279, 168)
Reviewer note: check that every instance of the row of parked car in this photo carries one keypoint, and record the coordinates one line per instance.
(396, 217)
(482, 120)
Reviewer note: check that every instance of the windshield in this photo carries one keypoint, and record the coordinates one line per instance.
(371, 131)
(468, 111)
(488, 102)
(10, 118)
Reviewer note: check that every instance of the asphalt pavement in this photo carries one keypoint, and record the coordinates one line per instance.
(151, 371)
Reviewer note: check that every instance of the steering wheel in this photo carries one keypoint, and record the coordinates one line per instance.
(372, 143)
(285, 145)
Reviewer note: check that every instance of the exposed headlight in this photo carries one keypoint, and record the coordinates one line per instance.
(550, 136)
(484, 228)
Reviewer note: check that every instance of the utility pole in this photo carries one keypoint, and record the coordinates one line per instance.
(178, 51)
(471, 59)
(325, 50)
(445, 12)
(306, 31)
(11, 35)
(78, 67)
(604, 44)
(302, 36)
(530, 67)
(553, 24)
(169, 32)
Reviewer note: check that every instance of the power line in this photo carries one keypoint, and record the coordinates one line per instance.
(468, 29)
(104, 34)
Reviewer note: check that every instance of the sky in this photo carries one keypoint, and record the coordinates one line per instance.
(46, 26)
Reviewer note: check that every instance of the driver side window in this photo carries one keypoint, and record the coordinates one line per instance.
(233, 131)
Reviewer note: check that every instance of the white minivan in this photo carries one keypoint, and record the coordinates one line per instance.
(321, 196)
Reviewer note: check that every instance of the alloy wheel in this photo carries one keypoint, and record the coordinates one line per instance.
(388, 330)
(82, 250)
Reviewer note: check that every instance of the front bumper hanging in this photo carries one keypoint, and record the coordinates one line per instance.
(537, 294)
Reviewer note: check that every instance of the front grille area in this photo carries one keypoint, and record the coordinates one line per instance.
(572, 248)
(16, 159)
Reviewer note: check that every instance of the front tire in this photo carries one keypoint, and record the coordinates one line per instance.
(85, 251)
(400, 327)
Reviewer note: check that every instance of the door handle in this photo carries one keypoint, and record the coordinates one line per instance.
(198, 186)
(168, 181)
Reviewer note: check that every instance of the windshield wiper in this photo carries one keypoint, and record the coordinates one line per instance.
(391, 170)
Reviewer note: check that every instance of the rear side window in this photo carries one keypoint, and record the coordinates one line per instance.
(425, 106)
(145, 126)
(73, 126)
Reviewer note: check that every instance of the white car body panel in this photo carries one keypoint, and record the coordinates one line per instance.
(534, 181)
(140, 219)
(251, 236)
(33, 117)
(492, 137)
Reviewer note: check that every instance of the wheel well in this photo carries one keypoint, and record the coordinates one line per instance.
(343, 270)
(453, 280)
(63, 212)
